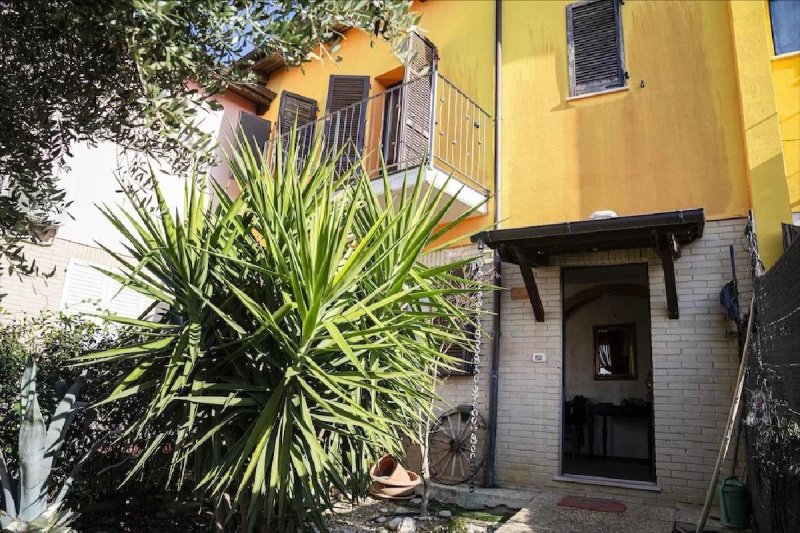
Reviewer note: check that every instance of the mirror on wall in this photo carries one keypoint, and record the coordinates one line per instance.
(614, 351)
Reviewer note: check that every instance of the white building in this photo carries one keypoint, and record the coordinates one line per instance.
(90, 181)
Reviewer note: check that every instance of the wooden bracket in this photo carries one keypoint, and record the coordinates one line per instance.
(533, 291)
(669, 250)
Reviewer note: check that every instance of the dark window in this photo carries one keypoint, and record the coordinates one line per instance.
(299, 110)
(785, 17)
(346, 116)
(255, 131)
(594, 34)
(464, 366)
(464, 355)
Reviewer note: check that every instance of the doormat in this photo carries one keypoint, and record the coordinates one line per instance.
(592, 504)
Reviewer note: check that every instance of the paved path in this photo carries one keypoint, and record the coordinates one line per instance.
(542, 515)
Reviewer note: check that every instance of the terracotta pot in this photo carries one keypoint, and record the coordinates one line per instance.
(384, 468)
(390, 472)
(379, 490)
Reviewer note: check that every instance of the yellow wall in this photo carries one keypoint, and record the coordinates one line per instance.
(463, 33)
(696, 127)
(769, 195)
(676, 143)
(786, 79)
(786, 73)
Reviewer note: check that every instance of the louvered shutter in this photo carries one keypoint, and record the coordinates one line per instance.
(302, 111)
(464, 365)
(346, 118)
(596, 59)
(88, 290)
(418, 83)
(255, 131)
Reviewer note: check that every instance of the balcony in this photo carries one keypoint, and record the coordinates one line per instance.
(425, 128)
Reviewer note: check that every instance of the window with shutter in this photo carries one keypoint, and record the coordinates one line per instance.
(464, 355)
(87, 290)
(296, 109)
(346, 118)
(596, 59)
(255, 131)
(416, 119)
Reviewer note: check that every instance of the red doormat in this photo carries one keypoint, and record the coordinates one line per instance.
(592, 504)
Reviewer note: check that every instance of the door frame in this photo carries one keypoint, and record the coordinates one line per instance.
(599, 480)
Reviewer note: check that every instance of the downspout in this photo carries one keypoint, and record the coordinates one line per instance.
(498, 279)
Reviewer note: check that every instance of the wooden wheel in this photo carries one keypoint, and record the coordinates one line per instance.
(449, 446)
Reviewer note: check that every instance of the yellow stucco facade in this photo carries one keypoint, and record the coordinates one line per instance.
(707, 118)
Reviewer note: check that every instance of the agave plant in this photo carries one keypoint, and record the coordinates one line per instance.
(300, 336)
(27, 505)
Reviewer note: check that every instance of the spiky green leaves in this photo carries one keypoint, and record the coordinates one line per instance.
(302, 332)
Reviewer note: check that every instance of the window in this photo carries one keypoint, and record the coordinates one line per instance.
(87, 290)
(594, 35)
(346, 118)
(464, 355)
(255, 131)
(296, 109)
(785, 17)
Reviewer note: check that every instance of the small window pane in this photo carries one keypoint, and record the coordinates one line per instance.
(785, 16)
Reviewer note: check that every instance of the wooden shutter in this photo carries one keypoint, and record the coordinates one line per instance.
(418, 83)
(346, 118)
(594, 34)
(296, 109)
(464, 366)
(255, 131)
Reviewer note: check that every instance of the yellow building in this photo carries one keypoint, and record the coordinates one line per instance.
(663, 122)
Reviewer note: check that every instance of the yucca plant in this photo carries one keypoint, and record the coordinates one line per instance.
(299, 340)
(27, 505)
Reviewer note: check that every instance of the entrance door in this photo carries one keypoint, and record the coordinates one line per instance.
(608, 401)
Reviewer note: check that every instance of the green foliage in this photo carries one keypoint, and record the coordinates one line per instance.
(301, 335)
(51, 340)
(117, 70)
(27, 506)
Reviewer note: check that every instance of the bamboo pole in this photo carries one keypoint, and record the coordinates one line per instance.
(726, 440)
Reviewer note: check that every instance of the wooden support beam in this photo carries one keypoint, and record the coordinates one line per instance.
(533, 291)
(669, 249)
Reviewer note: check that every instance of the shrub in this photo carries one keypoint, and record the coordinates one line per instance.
(301, 336)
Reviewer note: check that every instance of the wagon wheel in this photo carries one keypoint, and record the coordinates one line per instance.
(449, 446)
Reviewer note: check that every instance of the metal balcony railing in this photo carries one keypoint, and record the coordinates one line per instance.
(425, 119)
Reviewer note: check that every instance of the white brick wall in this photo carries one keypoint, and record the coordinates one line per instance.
(34, 294)
(695, 363)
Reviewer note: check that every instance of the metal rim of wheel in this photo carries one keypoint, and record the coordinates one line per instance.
(449, 447)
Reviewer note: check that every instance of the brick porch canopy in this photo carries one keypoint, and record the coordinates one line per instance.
(534, 245)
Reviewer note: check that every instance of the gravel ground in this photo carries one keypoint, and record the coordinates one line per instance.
(385, 516)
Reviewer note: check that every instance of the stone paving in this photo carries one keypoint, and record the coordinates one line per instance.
(542, 515)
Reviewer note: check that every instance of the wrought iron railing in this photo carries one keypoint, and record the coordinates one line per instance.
(425, 119)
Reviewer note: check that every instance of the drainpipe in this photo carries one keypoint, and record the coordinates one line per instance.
(498, 279)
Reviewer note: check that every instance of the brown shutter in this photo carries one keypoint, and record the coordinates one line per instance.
(302, 111)
(465, 365)
(255, 131)
(418, 80)
(346, 118)
(594, 34)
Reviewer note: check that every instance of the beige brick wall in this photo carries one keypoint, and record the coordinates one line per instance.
(34, 294)
(695, 364)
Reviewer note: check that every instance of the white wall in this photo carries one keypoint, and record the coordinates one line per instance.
(91, 179)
